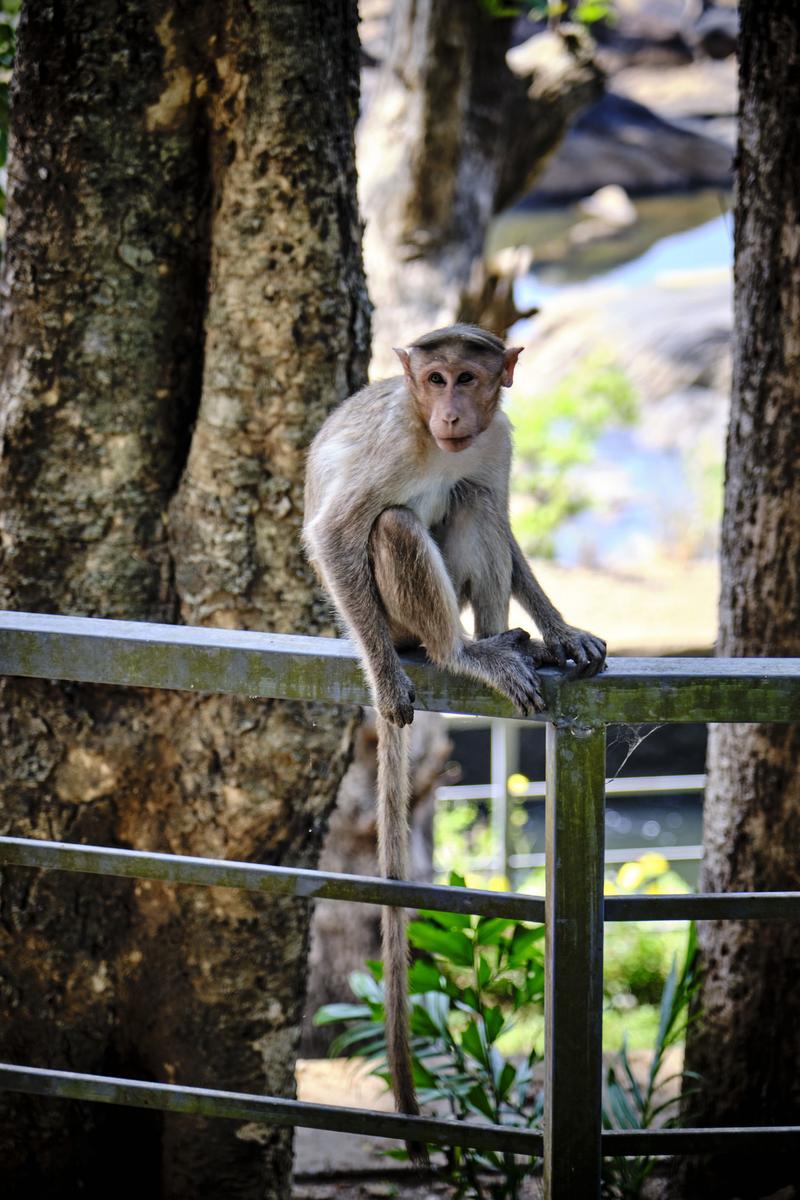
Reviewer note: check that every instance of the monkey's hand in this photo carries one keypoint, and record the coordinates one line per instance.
(394, 698)
(586, 651)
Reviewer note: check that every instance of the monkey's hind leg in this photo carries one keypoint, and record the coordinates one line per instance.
(420, 602)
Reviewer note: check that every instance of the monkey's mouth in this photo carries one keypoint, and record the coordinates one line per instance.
(453, 445)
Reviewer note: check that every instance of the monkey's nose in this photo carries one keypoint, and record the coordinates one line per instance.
(451, 418)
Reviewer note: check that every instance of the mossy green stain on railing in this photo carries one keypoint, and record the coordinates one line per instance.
(327, 670)
(256, 877)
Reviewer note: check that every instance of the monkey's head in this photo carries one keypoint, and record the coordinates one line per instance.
(454, 376)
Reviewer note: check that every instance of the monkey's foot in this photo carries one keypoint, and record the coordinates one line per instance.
(394, 699)
(586, 651)
(504, 662)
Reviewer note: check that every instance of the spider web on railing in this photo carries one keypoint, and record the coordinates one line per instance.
(629, 738)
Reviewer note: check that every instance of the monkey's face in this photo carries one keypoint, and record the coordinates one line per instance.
(456, 395)
(456, 401)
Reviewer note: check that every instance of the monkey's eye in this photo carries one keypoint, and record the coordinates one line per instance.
(436, 378)
(465, 377)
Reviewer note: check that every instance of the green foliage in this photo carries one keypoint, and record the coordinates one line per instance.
(630, 1103)
(638, 963)
(585, 11)
(463, 835)
(475, 978)
(556, 433)
(478, 974)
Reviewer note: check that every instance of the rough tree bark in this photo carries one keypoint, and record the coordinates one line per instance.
(451, 135)
(746, 1043)
(183, 301)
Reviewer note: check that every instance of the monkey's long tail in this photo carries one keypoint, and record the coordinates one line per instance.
(393, 799)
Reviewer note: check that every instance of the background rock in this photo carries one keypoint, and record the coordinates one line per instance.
(620, 141)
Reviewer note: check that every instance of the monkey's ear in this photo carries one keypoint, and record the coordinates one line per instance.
(405, 359)
(509, 362)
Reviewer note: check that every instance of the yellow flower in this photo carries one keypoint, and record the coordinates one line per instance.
(653, 865)
(630, 875)
(517, 784)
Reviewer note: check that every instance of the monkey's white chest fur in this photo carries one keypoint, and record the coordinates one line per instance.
(429, 492)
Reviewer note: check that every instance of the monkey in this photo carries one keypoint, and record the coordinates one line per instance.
(406, 523)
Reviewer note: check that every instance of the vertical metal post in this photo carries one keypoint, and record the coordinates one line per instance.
(504, 757)
(574, 829)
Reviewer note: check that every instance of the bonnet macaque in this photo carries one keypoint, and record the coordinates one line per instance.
(407, 523)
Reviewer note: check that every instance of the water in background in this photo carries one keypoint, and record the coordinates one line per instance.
(650, 498)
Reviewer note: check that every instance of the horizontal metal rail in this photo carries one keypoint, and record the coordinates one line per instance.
(140, 654)
(271, 1110)
(741, 1139)
(628, 785)
(275, 1110)
(705, 906)
(280, 881)
(322, 885)
(622, 854)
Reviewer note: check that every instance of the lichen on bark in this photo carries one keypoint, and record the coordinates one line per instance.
(183, 303)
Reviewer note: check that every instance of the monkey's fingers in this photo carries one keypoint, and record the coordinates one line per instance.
(527, 692)
(519, 638)
(395, 702)
(543, 655)
(587, 652)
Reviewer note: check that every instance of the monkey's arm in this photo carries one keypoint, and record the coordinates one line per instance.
(341, 555)
(563, 641)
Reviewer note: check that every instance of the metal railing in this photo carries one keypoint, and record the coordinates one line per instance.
(267, 665)
(504, 758)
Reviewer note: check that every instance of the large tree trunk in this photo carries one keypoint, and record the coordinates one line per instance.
(746, 1044)
(183, 304)
(452, 135)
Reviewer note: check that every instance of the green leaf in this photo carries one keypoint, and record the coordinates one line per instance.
(375, 968)
(506, 1080)
(533, 988)
(423, 976)
(493, 1021)
(468, 999)
(422, 1024)
(7, 40)
(625, 1062)
(500, 8)
(368, 1039)
(457, 880)
(491, 930)
(455, 947)
(590, 11)
(478, 1100)
(365, 987)
(437, 1004)
(623, 1115)
(341, 1012)
(473, 1044)
(447, 920)
(523, 943)
(423, 1078)
(484, 972)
